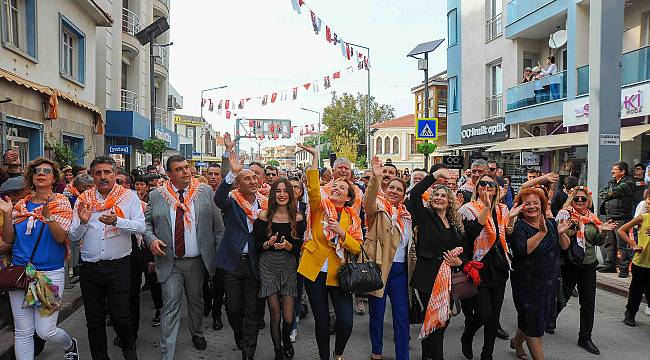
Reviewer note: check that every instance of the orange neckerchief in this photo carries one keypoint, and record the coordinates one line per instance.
(398, 215)
(72, 190)
(488, 235)
(112, 201)
(330, 212)
(262, 201)
(437, 312)
(171, 197)
(326, 192)
(59, 207)
(265, 190)
(582, 220)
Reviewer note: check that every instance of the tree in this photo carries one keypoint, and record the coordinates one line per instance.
(326, 146)
(63, 154)
(155, 147)
(273, 162)
(345, 145)
(347, 113)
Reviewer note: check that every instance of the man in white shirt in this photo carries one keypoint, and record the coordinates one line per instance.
(104, 219)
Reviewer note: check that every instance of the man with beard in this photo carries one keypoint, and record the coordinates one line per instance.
(388, 173)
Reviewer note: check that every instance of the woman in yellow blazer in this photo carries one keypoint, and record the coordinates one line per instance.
(333, 229)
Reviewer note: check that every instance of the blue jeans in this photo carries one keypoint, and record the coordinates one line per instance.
(397, 288)
(342, 302)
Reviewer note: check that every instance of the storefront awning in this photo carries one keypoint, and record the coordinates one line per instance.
(559, 141)
(471, 146)
(206, 158)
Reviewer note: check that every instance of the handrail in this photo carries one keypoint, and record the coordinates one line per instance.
(130, 101)
(494, 27)
(518, 9)
(130, 22)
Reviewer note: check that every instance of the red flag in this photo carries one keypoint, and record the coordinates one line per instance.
(301, 2)
(272, 127)
(273, 97)
(227, 104)
(307, 86)
(336, 75)
(227, 113)
(250, 123)
(347, 51)
(328, 34)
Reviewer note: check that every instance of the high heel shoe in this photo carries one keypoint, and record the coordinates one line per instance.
(521, 355)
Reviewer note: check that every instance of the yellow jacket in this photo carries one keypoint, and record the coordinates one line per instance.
(316, 250)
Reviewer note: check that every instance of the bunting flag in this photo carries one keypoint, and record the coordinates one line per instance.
(328, 34)
(241, 104)
(227, 104)
(227, 114)
(284, 96)
(336, 75)
(296, 6)
(295, 93)
(265, 99)
(307, 85)
(220, 106)
(211, 106)
(274, 96)
(315, 86)
(326, 82)
(203, 102)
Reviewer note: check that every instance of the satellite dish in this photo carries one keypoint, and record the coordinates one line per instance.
(557, 39)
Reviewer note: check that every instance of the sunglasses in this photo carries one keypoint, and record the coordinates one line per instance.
(493, 169)
(42, 170)
(367, 177)
(580, 199)
(484, 183)
(120, 182)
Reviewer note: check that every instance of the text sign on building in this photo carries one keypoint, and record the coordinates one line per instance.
(426, 129)
(190, 121)
(493, 130)
(453, 161)
(576, 112)
(610, 139)
(530, 159)
(119, 149)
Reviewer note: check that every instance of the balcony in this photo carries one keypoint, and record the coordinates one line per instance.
(161, 116)
(161, 8)
(130, 22)
(635, 68)
(494, 28)
(517, 9)
(129, 101)
(161, 56)
(494, 106)
(547, 89)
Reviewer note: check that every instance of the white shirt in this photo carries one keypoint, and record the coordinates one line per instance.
(255, 206)
(550, 70)
(400, 252)
(105, 242)
(191, 242)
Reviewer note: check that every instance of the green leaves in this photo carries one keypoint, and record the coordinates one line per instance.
(155, 147)
(426, 148)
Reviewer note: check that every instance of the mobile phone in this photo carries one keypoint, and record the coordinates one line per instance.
(282, 239)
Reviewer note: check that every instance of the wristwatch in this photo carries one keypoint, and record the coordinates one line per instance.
(48, 219)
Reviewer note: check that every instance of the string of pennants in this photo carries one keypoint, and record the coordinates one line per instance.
(229, 105)
(348, 51)
(272, 131)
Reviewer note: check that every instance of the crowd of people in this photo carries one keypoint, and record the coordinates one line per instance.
(252, 237)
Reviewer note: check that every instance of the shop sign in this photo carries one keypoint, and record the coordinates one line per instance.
(576, 112)
(160, 134)
(201, 164)
(528, 158)
(119, 149)
(493, 130)
(193, 121)
(453, 161)
(610, 139)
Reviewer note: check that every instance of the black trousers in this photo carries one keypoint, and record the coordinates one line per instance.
(156, 290)
(484, 310)
(102, 285)
(584, 277)
(134, 294)
(242, 289)
(640, 285)
(432, 345)
(613, 243)
(213, 292)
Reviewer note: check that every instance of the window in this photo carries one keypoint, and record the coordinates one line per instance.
(19, 26)
(412, 143)
(189, 132)
(495, 84)
(72, 51)
(442, 102)
(387, 145)
(395, 145)
(530, 60)
(452, 91)
(378, 146)
(452, 28)
(494, 27)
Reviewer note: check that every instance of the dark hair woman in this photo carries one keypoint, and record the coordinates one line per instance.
(578, 262)
(486, 220)
(48, 216)
(536, 242)
(279, 232)
(438, 239)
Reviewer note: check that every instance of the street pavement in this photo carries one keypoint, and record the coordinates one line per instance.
(615, 340)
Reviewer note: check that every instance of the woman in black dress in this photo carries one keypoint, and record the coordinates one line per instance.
(438, 230)
(536, 242)
(279, 232)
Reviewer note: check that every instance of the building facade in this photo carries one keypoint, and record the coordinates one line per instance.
(199, 150)
(48, 69)
(542, 123)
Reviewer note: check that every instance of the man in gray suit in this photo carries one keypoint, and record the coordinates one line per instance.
(184, 229)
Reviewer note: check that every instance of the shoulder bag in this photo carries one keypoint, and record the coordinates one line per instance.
(359, 277)
(13, 277)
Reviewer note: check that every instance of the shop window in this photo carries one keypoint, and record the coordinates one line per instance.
(19, 26)
(378, 146)
(72, 51)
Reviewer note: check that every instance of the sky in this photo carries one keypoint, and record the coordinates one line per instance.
(257, 47)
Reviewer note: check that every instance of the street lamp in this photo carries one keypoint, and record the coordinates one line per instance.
(367, 106)
(423, 64)
(319, 121)
(203, 120)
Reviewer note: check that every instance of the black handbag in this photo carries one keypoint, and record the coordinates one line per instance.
(359, 277)
(416, 309)
(13, 277)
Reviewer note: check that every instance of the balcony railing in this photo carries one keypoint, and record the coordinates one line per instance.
(494, 28)
(161, 116)
(130, 101)
(546, 89)
(161, 56)
(494, 106)
(520, 8)
(635, 68)
(130, 22)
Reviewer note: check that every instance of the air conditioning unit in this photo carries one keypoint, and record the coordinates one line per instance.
(537, 130)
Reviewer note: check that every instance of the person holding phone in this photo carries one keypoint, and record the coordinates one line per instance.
(279, 232)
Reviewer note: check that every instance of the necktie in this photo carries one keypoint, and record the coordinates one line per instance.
(179, 230)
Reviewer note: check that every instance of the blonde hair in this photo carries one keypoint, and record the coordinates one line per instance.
(452, 214)
(572, 194)
(495, 198)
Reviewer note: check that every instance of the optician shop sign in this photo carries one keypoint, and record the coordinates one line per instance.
(633, 104)
(493, 130)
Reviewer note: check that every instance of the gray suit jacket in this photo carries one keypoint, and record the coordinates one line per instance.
(209, 229)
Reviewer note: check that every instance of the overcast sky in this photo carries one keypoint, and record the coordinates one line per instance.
(258, 47)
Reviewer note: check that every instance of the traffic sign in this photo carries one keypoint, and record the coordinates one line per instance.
(119, 149)
(453, 161)
(426, 129)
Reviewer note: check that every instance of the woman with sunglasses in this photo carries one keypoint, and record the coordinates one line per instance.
(46, 216)
(536, 241)
(578, 262)
(485, 220)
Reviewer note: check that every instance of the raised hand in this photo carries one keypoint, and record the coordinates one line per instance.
(542, 224)
(227, 141)
(6, 206)
(515, 211)
(484, 197)
(563, 226)
(441, 173)
(236, 165)
(608, 226)
(46, 208)
(552, 177)
(308, 149)
(377, 168)
(84, 213)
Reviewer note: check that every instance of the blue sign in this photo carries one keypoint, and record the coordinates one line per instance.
(426, 129)
(201, 164)
(119, 149)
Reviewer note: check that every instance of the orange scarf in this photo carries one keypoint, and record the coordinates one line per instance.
(582, 220)
(72, 190)
(326, 192)
(437, 312)
(59, 207)
(251, 214)
(488, 235)
(265, 190)
(330, 212)
(399, 216)
(171, 197)
(117, 195)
